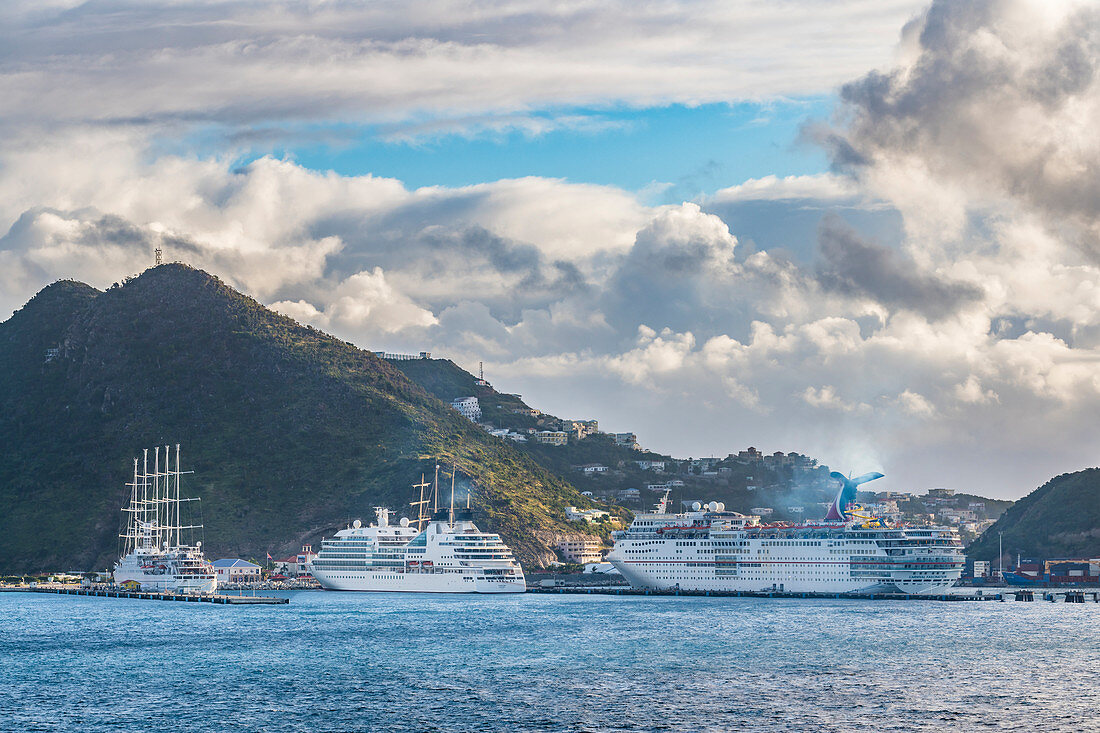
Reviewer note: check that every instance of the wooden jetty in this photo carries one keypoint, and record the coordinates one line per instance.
(150, 596)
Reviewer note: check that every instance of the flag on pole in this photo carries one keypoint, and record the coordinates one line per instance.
(269, 556)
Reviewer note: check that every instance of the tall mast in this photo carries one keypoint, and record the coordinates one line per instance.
(179, 521)
(158, 505)
(451, 512)
(421, 516)
(435, 490)
(131, 519)
(166, 483)
(144, 488)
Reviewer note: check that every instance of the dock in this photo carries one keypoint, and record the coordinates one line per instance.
(1069, 597)
(150, 596)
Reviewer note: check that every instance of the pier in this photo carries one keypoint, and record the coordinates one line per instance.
(1069, 596)
(771, 593)
(150, 596)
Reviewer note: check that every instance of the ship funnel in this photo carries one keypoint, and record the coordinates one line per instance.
(838, 510)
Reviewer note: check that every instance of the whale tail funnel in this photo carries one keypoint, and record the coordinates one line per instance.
(838, 510)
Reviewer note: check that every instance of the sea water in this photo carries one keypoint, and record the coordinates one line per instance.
(543, 662)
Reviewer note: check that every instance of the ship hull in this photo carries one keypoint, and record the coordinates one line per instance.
(163, 577)
(169, 583)
(639, 578)
(1022, 579)
(371, 581)
(729, 552)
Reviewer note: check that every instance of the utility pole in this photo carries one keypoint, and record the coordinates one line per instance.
(1000, 555)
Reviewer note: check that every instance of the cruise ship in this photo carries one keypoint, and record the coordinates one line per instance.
(709, 548)
(153, 551)
(444, 553)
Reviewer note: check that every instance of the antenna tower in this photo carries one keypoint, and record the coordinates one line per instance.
(481, 370)
(157, 252)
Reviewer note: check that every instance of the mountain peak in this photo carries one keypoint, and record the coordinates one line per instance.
(290, 431)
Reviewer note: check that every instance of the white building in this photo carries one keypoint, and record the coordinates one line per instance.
(590, 469)
(582, 551)
(657, 466)
(573, 514)
(296, 565)
(762, 511)
(468, 407)
(403, 357)
(235, 570)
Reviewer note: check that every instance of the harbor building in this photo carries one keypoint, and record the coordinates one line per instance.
(236, 570)
(581, 551)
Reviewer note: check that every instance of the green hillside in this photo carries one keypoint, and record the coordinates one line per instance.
(1059, 519)
(290, 432)
(448, 381)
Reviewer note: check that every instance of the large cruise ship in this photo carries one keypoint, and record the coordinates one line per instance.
(443, 553)
(153, 550)
(709, 548)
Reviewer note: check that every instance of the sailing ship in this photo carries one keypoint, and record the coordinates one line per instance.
(153, 552)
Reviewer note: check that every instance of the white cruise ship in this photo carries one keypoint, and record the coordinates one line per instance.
(445, 553)
(709, 548)
(153, 550)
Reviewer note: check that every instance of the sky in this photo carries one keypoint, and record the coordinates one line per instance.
(864, 231)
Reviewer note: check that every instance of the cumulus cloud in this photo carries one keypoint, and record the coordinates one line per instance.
(854, 265)
(365, 303)
(997, 103)
(950, 310)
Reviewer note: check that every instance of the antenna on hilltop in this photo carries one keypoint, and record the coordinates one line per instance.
(157, 253)
(481, 370)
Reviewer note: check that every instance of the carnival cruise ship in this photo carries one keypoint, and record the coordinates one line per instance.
(709, 548)
(444, 553)
(154, 553)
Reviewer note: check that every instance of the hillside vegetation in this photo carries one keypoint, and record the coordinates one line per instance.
(290, 432)
(1060, 519)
